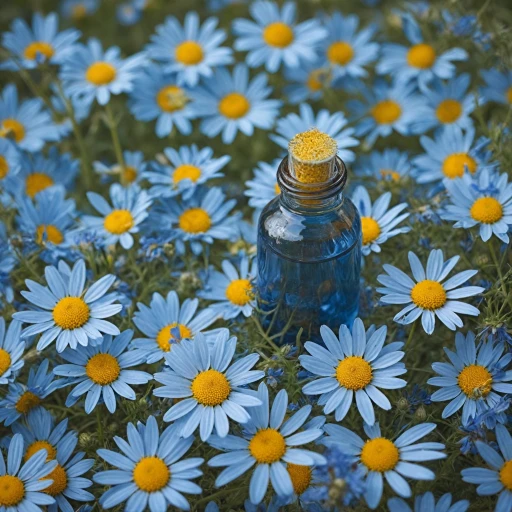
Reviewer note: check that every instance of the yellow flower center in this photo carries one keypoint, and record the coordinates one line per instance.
(506, 475)
(371, 229)
(60, 481)
(386, 112)
(71, 313)
(389, 173)
(151, 474)
(239, 292)
(171, 98)
(103, 369)
(40, 445)
(211, 388)
(38, 48)
(186, 172)
(509, 94)
(234, 105)
(12, 490)
(189, 53)
(429, 295)
(475, 381)
(278, 35)
(129, 174)
(455, 164)
(78, 12)
(49, 233)
(340, 53)
(5, 361)
(277, 189)
(26, 402)
(301, 477)
(12, 128)
(100, 73)
(267, 446)
(448, 111)
(379, 454)
(315, 80)
(354, 373)
(118, 222)
(37, 182)
(164, 337)
(486, 210)
(421, 56)
(195, 220)
(4, 167)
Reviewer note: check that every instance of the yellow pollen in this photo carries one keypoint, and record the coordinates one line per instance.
(386, 112)
(340, 53)
(486, 210)
(39, 445)
(267, 446)
(455, 164)
(475, 381)
(195, 220)
(421, 56)
(380, 454)
(429, 295)
(129, 174)
(371, 230)
(4, 167)
(186, 172)
(37, 182)
(354, 373)
(509, 95)
(60, 481)
(234, 105)
(278, 35)
(38, 48)
(118, 222)
(239, 292)
(506, 475)
(211, 388)
(71, 313)
(189, 53)
(26, 402)
(49, 233)
(315, 80)
(171, 98)
(301, 477)
(100, 73)
(103, 369)
(151, 474)
(5, 361)
(448, 111)
(12, 128)
(389, 173)
(277, 189)
(164, 336)
(78, 12)
(12, 490)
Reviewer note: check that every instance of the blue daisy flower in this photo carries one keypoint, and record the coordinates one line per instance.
(64, 312)
(232, 289)
(120, 221)
(229, 103)
(7, 263)
(388, 165)
(150, 472)
(275, 38)
(498, 86)
(211, 389)
(308, 82)
(28, 123)
(77, 10)
(474, 378)
(128, 13)
(189, 167)
(377, 222)
(429, 296)
(497, 478)
(270, 444)
(333, 125)
(427, 503)
(100, 371)
(128, 174)
(192, 51)
(158, 321)
(263, 187)
(420, 62)
(156, 95)
(382, 457)
(354, 364)
(11, 350)
(9, 168)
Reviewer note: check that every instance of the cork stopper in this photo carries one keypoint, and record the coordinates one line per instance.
(312, 156)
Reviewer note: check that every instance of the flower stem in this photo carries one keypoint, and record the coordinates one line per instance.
(112, 125)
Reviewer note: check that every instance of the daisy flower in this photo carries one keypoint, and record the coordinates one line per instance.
(497, 478)
(158, 320)
(428, 296)
(427, 503)
(333, 125)
(100, 371)
(11, 350)
(189, 167)
(120, 221)
(275, 38)
(420, 62)
(192, 51)
(263, 187)
(42, 43)
(156, 95)
(23, 484)
(28, 123)
(92, 73)
(269, 444)
(150, 470)
(498, 86)
(377, 222)
(307, 82)
(484, 200)
(382, 457)
(9, 166)
(64, 312)
(232, 289)
(388, 165)
(128, 174)
(7, 263)
(474, 379)
(77, 10)
(354, 365)
(209, 388)
(231, 102)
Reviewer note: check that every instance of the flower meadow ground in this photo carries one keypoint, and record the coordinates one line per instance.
(139, 142)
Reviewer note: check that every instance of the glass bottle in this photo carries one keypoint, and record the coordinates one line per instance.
(309, 251)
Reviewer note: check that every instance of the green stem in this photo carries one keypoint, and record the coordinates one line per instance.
(112, 125)
(264, 335)
(100, 425)
(411, 332)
